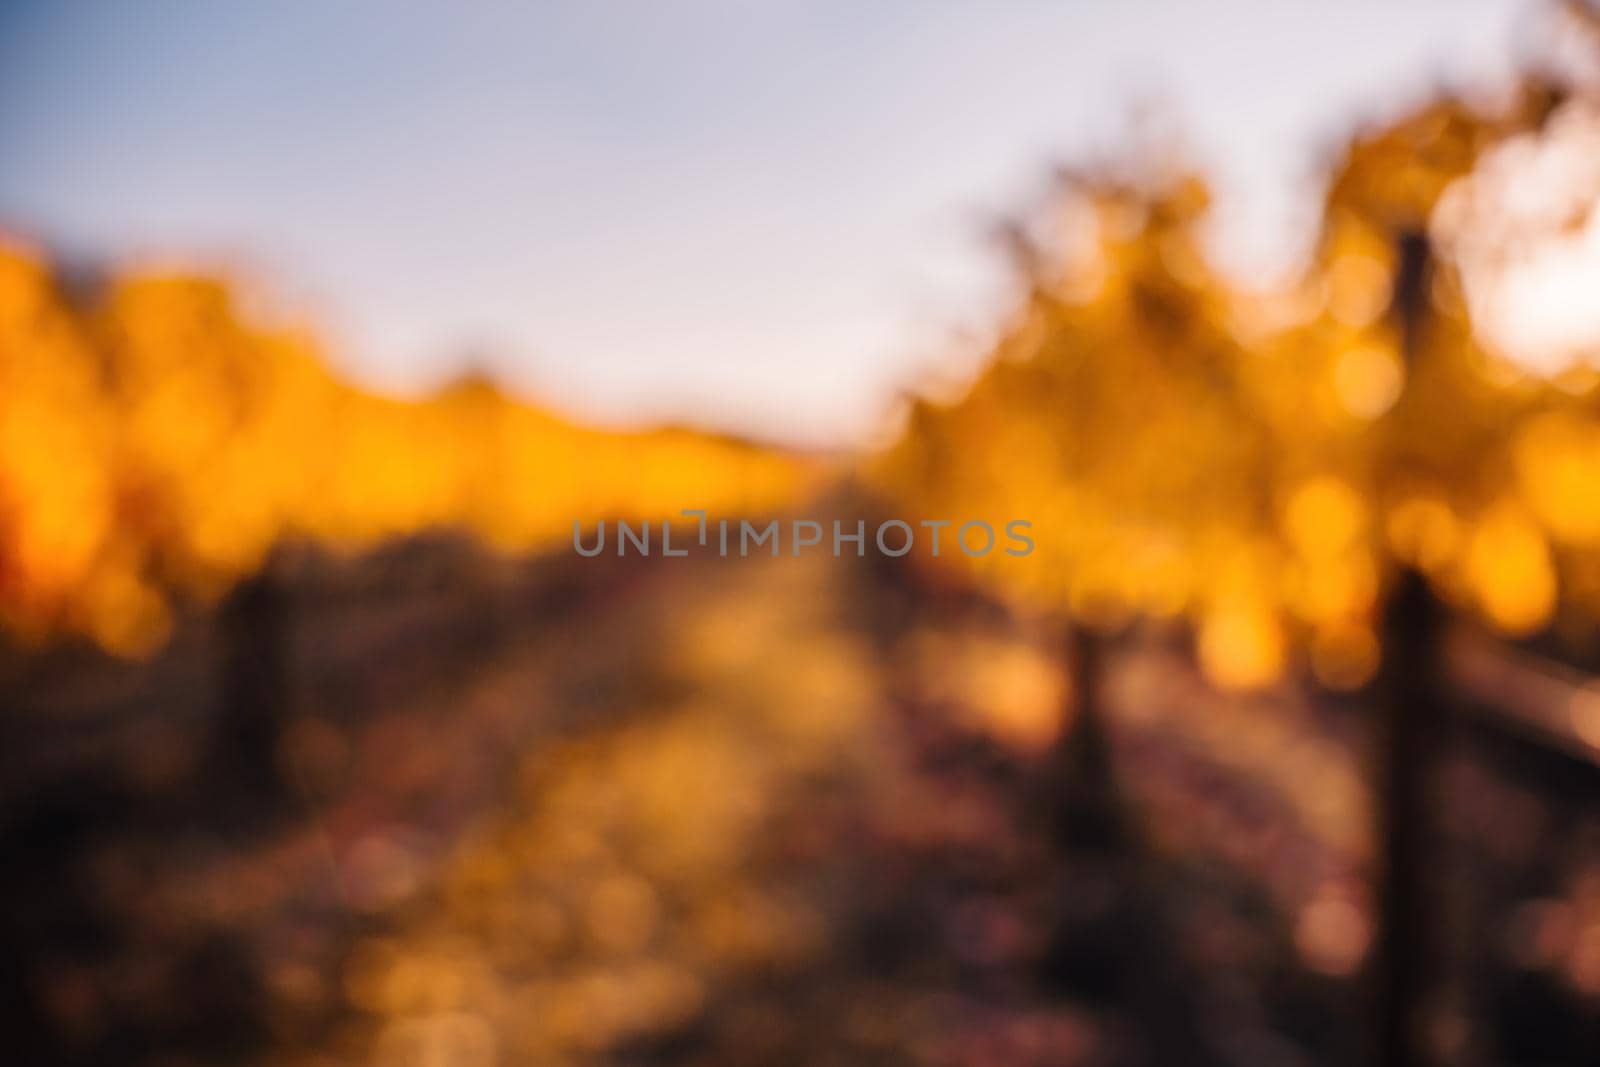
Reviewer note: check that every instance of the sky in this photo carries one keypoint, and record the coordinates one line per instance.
(768, 218)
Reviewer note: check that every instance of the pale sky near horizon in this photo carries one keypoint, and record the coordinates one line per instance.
(763, 217)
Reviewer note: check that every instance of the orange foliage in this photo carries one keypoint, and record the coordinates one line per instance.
(1263, 462)
(155, 442)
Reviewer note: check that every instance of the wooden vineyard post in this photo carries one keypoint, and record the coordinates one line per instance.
(1125, 946)
(1408, 738)
(1087, 953)
(1087, 814)
(254, 631)
(1409, 708)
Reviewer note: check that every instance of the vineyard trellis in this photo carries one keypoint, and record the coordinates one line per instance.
(1344, 491)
